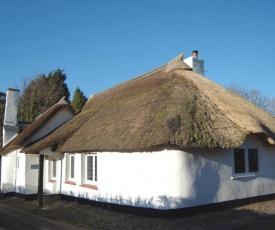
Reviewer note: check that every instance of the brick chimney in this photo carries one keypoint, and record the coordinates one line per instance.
(10, 128)
(196, 63)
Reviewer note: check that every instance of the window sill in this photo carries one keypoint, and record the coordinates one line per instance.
(235, 177)
(52, 180)
(89, 186)
(70, 182)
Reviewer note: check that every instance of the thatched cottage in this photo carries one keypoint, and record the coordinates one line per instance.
(19, 172)
(168, 139)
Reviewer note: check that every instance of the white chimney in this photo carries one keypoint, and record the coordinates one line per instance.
(196, 63)
(10, 128)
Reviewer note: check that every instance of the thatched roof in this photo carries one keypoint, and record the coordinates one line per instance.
(21, 140)
(169, 106)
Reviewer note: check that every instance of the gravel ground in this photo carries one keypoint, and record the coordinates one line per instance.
(254, 216)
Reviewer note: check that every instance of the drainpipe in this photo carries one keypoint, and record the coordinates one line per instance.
(61, 169)
(16, 170)
(41, 180)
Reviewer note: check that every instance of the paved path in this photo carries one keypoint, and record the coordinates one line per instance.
(18, 219)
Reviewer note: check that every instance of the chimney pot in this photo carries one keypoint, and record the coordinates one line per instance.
(195, 53)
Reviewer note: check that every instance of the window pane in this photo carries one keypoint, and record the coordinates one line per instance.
(54, 168)
(90, 168)
(239, 160)
(253, 160)
(95, 168)
(72, 166)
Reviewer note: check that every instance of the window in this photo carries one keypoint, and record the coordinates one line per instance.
(72, 167)
(89, 172)
(239, 160)
(54, 169)
(253, 160)
(91, 168)
(246, 160)
(71, 174)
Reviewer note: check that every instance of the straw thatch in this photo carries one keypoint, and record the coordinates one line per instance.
(170, 106)
(22, 139)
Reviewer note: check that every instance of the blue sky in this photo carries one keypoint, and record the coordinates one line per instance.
(102, 43)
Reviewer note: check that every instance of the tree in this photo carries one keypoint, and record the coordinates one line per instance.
(271, 106)
(41, 93)
(256, 97)
(57, 80)
(78, 101)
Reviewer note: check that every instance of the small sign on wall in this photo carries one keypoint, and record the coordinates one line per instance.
(34, 166)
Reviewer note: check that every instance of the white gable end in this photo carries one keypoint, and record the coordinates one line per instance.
(58, 119)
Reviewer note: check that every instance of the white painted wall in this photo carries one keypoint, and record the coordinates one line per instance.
(8, 172)
(31, 173)
(51, 184)
(211, 176)
(160, 179)
(19, 169)
(170, 179)
(58, 119)
(125, 177)
(139, 179)
(17, 175)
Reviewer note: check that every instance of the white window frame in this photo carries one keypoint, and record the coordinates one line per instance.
(51, 169)
(246, 172)
(72, 167)
(85, 177)
(54, 168)
(68, 163)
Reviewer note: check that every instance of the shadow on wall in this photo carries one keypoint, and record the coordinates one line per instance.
(138, 201)
(207, 185)
(205, 174)
(160, 202)
(7, 187)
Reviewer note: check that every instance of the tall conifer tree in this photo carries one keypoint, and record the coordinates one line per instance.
(79, 100)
